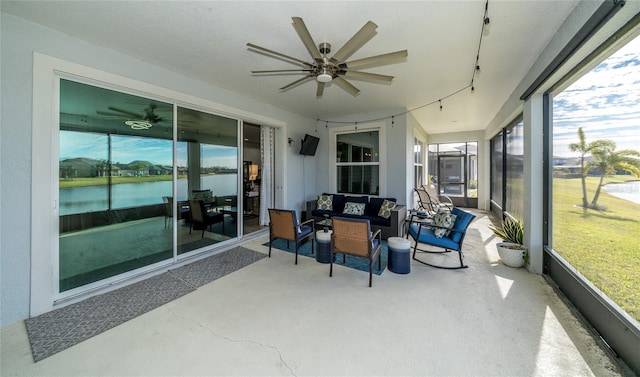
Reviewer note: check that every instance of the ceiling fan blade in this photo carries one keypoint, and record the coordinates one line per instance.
(320, 89)
(378, 60)
(344, 84)
(296, 83)
(357, 75)
(363, 35)
(288, 58)
(303, 32)
(125, 112)
(106, 113)
(281, 71)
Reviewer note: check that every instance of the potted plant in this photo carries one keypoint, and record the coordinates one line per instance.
(512, 251)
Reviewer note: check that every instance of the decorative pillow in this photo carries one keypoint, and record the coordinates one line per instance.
(386, 208)
(444, 219)
(325, 202)
(351, 208)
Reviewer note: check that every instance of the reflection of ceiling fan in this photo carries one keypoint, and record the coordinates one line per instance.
(332, 69)
(135, 121)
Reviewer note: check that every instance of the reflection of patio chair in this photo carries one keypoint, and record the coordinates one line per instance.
(354, 237)
(451, 240)
(169, 206)
(199, 215)
(438, 200)
(168, 209)
(283, 224)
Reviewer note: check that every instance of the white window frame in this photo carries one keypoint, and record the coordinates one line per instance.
(382, 158)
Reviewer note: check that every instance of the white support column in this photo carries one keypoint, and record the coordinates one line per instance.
(533, 181)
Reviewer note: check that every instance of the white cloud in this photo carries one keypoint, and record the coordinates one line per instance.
(605, 103)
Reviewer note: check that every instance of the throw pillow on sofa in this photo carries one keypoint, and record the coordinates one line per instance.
(444, 219)
(325, 202)
(351, 208)
(386, 208)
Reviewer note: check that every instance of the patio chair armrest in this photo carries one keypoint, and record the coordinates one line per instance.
(447, 202)
(312, 221)
(377, 233)
(463, 231)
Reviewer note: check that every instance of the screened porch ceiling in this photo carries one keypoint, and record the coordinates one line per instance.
(208, 41)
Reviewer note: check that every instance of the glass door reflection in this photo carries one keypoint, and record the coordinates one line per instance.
(115, 168)
(207, 189)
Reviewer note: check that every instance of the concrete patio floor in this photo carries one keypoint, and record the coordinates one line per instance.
(275, 318)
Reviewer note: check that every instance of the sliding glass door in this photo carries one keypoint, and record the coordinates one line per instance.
(115, 167)
(124, 200)
(207, 164)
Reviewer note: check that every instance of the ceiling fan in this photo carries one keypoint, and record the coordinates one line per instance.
(325, 69)
(134, 120)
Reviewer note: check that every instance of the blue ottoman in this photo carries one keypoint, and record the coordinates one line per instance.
(399, 257)
(323, 251)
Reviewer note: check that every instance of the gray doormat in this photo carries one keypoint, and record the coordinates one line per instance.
(62, 328)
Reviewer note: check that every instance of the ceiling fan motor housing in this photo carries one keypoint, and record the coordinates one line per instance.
(324, 48)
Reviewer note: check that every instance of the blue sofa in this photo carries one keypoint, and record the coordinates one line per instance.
(391, 227)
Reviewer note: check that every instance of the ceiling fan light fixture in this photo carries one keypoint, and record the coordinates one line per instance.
(138, 124)
(324, 77)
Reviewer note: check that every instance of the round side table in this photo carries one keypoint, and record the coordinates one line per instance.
(323, 251)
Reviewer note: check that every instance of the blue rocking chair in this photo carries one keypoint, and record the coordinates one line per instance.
(425, 233)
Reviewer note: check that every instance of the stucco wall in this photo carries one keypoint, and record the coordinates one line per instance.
(20, 39)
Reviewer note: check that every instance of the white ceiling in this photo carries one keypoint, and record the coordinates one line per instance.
(207, 40)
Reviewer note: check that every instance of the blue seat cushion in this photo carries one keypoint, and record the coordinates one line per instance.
(427, 236)
(304, 231)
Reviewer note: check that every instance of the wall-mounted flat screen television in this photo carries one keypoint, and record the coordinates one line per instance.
(309, 145)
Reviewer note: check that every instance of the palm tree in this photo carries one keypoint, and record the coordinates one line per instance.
(608, 161)
(583, 148)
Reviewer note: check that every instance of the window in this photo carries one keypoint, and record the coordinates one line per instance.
(514, 168)
(418, 163)
(358, 162)
(497, 163)
(507, 170)
(595, 202)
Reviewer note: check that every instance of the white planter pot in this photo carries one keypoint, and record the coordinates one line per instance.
(511, 254)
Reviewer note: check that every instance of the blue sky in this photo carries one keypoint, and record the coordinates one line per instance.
(129, 148)
(605, 103)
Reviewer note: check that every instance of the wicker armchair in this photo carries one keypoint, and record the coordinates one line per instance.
(283, 224)
(353, 237)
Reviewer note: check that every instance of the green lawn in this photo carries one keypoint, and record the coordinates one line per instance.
(603, 246)
(97, 181)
